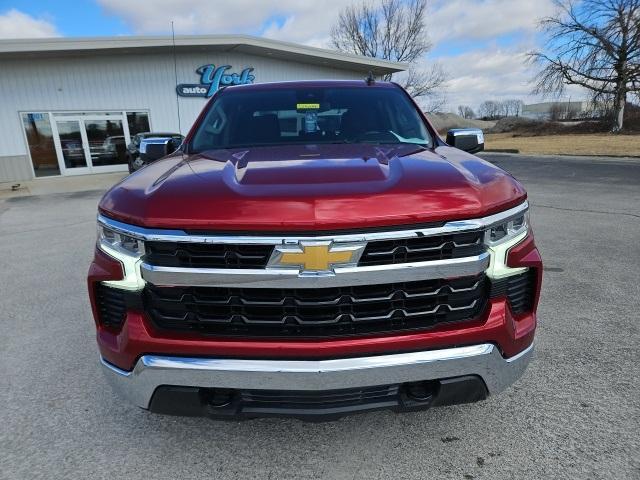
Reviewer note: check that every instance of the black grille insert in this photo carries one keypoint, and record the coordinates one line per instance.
(317, 312)
(519, 290)
(422, 249)
(112, 306)
(206, 255)
(270, 400)
(315, 405)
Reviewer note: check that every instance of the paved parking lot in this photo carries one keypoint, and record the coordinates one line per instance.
(575, 414)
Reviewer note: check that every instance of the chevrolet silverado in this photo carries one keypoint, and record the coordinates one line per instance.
(314, 249)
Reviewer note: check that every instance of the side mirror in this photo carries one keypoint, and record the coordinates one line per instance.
(154, 148)
(468, 139)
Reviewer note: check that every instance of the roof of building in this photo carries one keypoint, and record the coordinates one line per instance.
(74, 46)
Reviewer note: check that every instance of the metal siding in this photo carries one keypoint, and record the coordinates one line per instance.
(15, 167)
(120, 82)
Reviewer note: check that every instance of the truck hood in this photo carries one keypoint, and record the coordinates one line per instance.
(311, 187)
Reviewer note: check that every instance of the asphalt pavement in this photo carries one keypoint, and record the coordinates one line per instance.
(575, 414)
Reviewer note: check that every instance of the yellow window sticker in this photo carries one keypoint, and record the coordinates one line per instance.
(307, 106)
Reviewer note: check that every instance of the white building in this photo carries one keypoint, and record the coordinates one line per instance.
(70, 105)
(560, 110)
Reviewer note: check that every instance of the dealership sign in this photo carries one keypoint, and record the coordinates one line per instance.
(212, 78)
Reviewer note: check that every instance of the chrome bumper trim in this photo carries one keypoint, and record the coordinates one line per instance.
(289, 278)
(168, 235)
(152, 371)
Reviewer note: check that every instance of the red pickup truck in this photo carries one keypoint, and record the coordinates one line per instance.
(314, 249)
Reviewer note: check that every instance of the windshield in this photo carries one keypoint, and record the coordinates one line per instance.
(279, 116)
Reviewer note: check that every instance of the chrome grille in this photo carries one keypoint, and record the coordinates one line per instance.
(248, 256)
(423, 249)
(405, 279)
(190, 255)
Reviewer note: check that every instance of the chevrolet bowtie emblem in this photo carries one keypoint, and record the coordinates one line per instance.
(316, 256)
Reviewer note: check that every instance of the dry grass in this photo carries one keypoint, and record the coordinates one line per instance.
(576, 144)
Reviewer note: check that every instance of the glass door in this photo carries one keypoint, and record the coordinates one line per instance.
(91, 143)
(71, 146)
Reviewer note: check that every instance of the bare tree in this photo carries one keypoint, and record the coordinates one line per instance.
(435, 102)
(594, 44)
(490, 109)
(503, 109)
(513, 107)
(391, 30)
(466, 111)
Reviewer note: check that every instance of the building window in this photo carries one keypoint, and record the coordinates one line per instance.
(107, 142)
(37, 127)
(84, 142)
(138, 122)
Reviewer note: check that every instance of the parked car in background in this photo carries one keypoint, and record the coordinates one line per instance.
(73, 152)
(134, 159)
(110, 152)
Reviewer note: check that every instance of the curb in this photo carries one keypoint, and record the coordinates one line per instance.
(502, 150)
(567, 156)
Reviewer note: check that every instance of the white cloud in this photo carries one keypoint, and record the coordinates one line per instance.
(487, 71)
(189, 16)
(304, 27)
(310, 22)
(15, 24)
(302, 22)
(483, 19)
(492, 74)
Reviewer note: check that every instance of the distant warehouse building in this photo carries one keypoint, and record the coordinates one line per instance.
(71, 105)
(558, 110)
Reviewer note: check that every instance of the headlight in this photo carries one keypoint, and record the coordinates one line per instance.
(128, 250)
(507, 230)
(502, 236)
(119, 241)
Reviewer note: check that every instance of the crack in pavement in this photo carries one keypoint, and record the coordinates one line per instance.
(47, 227)
(584, 210)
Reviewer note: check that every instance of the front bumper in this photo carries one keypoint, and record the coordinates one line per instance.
(482, 361)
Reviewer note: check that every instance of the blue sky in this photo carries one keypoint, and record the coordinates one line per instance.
(481, 44)
(71, 18)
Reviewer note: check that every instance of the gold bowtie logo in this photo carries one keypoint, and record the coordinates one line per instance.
(316, 257)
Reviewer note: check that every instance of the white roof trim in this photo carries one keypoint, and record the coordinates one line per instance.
(70, 45)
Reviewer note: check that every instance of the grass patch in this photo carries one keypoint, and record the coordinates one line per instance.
(568, 144)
